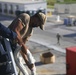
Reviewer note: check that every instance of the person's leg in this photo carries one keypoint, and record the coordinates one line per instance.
(59, 41)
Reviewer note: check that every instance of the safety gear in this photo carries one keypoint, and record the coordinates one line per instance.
(42, 18)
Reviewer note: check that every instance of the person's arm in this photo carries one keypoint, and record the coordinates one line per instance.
(17, 29)
(7, 33)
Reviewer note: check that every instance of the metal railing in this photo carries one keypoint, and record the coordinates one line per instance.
(18, 61)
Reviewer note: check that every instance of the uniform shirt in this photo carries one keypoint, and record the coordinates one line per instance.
(25, 19)
(7, 33)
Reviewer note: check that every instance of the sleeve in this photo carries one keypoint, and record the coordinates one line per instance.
(25, 18)
(7, 33)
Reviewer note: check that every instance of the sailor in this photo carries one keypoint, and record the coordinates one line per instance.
(23, 25)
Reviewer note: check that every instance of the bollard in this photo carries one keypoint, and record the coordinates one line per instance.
(47, 58)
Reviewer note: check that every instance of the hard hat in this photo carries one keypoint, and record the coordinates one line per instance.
(42, 18)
